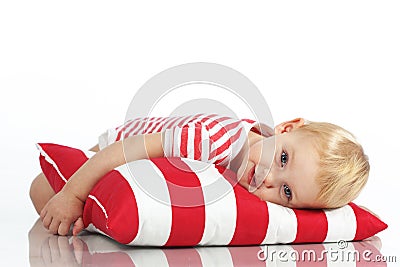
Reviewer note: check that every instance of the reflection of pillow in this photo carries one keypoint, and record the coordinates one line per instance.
(160, 202)
(100, 252)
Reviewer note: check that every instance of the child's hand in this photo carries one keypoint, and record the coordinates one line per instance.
(62, 210)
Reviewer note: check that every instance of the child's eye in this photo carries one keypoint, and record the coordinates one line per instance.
(287, 192)
(284, 158)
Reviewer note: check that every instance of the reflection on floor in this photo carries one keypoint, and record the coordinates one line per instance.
(95, 250)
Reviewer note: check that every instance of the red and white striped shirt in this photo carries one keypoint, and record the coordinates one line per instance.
(205, 137)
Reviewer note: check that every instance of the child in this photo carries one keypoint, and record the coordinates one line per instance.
(299, 164)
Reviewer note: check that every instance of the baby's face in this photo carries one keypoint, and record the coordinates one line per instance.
(290, 181)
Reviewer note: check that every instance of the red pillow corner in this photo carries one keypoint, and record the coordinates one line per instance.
(371, 223)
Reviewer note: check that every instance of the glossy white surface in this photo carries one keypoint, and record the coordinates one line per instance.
(95, 250)
(69, 70)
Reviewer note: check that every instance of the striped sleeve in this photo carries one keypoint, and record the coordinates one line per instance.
(213, 139)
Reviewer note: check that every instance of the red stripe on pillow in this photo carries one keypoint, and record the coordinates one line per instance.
(367, 224)
(54, 179)
(305, 218)
(92, 213)
(123, 220)
(67, 159)
(187, 202)
(251, 213)
(252, 219)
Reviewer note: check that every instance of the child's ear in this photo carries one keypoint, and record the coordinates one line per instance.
(288, 126)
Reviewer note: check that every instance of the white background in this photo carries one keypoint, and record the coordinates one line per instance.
(68, 70)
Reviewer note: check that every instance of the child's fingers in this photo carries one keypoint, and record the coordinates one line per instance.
(47, 221)
(54, 226)
(43, 214)
(63, 228)
(78, 226)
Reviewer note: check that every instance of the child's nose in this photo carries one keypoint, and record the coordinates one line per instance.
(271, 179)
(268, 181)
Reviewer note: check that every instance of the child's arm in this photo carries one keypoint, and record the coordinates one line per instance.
(66, 207)
(133, 148)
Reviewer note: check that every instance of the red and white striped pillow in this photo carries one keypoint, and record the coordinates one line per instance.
(181, 202)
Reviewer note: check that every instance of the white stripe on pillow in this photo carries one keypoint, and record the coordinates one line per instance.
(280, 218)
(342, 224)
(220, 204)
(100, 206)
(153, 202)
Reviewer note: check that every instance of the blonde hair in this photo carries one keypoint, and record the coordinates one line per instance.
(344, 168)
